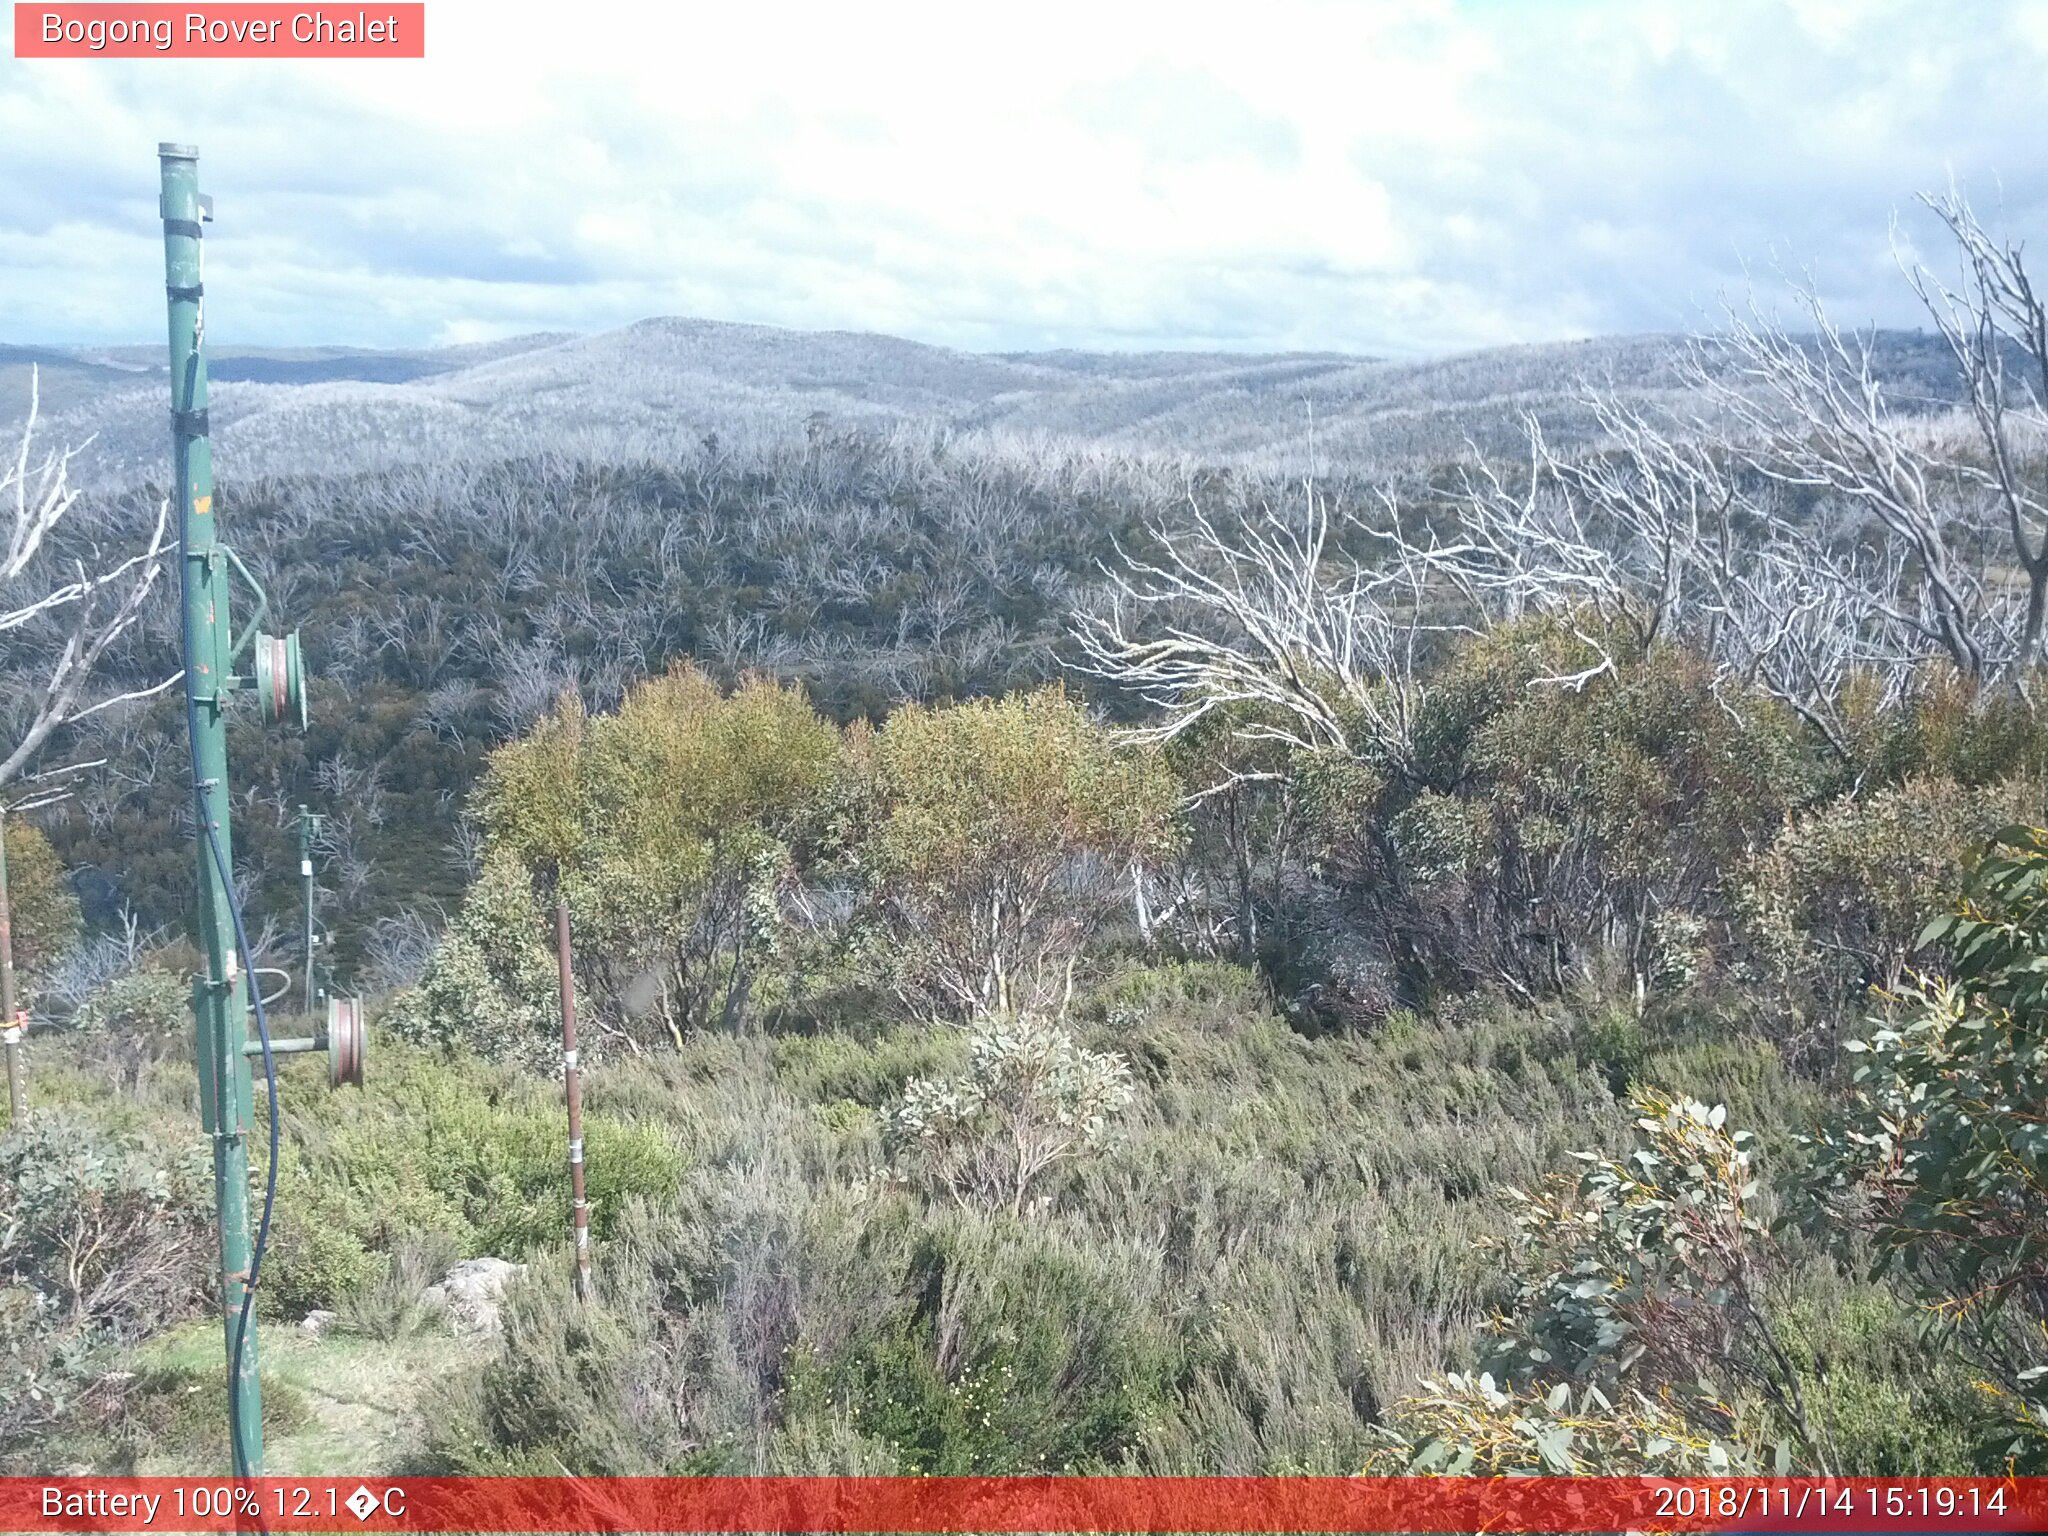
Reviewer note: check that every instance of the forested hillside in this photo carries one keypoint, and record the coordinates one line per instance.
(1112, 933)
(656, 389)
(883, 557)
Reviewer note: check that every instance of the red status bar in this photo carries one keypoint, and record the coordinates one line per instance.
(1019, 1504)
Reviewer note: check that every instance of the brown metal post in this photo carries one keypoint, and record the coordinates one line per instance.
(572, 1078)
(10, 1026)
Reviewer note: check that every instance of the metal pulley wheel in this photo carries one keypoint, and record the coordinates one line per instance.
(347, 1039)
(281, 680)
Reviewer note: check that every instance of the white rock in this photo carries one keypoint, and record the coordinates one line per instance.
(317, 1324)
(472, 1293)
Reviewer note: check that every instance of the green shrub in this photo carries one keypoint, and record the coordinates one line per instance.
(1241, 832)
(1616, 1041)
(41, 905)
(1742, 1071)
(1440, 837)
(392, 1304)
(828, 1067)
(672, 826)
(1003, 833)
(1628, 800)
(132, 1037)
(1540, 831)
(555, 1398)
(1214, 989)
(819, 1327)
(491, 986)
(179, 1418)
(449, 1145)
(1030, 1363)
(1647, 1273)
(1890, 1405)
(1947, 728)
(104, 1238)
(698, 1309)
(315, 1258)
(1641, 1335)
(147, 1006)
(1031, 1098)
(1657, 1328)
(1679, 950)
(1469, 1424)
(1939, 1155)
(1836, 902)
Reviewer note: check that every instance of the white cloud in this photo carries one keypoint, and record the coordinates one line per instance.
(1394, 177)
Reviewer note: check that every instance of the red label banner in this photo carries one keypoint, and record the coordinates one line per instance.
(1019, 1504)
(228, 31)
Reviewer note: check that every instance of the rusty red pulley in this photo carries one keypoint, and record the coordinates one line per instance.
(347, 1041)
(281, 680)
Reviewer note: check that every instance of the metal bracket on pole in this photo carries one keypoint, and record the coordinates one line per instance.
(262, 604)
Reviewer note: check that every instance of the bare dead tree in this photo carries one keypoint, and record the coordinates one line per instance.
(1601, 544)
(397, 948)
(530, 678)
(854, 579)
(466, 846)
(68, 609)
(1669, 529)
(1813, 413)
(1992, 308)
(1325, 652)
(1664, 532)
(350, 648)
(449, 707)
(1908, 549)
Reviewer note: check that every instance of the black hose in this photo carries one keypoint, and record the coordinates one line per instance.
(242, 1468)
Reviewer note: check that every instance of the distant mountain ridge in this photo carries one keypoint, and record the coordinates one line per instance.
(646, 389)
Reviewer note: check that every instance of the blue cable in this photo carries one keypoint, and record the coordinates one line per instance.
(270, 1173)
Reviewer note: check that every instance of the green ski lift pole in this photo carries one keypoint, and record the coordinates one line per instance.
(220, 996)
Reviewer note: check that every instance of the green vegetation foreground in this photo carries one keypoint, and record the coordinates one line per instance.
(923, 1137)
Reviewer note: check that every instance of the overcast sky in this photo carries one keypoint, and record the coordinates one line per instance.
(1403, 177)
